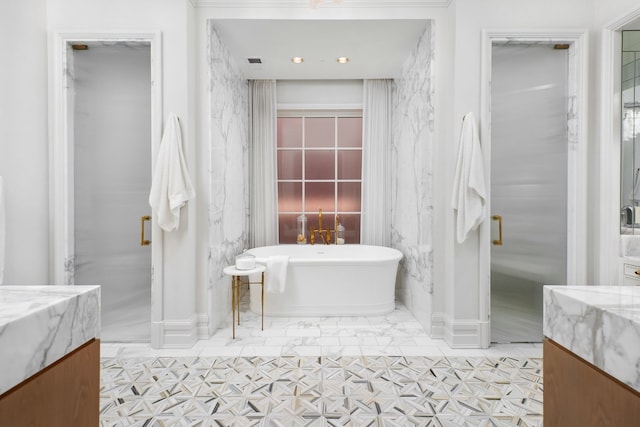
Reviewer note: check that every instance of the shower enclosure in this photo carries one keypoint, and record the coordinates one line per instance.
(529, 152)
(111, 105)
(630, 129)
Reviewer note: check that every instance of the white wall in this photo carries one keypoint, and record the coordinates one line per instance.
(23, 150)
(606, 11)
(319, 92)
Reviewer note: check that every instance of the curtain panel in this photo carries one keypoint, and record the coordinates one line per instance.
(376, 155)
(263, 191)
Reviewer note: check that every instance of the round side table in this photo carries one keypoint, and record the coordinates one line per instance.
(235, 290)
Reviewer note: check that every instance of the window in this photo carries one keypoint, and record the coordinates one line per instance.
(319, 167)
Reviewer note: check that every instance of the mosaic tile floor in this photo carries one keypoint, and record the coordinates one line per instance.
(321, 391)
(326, 371)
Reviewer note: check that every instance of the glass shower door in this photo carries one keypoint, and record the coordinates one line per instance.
(112, 178)
(528, 185)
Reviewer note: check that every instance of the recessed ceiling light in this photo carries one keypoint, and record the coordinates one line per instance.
(342, 60)
(297, 60)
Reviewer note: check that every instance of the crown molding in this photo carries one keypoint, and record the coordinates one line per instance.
(327, 4)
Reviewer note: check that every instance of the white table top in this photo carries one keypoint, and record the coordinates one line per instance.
(233, 271)
(41, 324)
(600, 324)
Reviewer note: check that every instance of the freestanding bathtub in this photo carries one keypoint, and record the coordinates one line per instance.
(331, 280)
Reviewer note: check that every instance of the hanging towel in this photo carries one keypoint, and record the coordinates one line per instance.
(275, 275)
(469, 194)
(3, 230)
(171, 186)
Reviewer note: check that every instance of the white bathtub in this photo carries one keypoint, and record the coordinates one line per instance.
(331, 280)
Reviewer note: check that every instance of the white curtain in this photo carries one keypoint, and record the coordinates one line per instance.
(263, 193)
(376, 154)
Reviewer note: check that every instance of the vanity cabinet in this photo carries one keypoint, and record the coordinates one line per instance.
(576, 393)
(63, 394)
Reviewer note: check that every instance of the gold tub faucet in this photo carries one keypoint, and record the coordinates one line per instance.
(325, 235)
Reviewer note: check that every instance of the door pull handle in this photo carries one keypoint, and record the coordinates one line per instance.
(499, 219)
(143, 241)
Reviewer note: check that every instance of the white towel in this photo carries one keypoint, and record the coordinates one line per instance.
(171, 186)
(3, 230)
(469, 194)
(275, 275)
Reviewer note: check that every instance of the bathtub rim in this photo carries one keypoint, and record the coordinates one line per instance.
(396, 255)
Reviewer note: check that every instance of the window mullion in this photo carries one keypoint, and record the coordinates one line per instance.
(335, 157)
(304, 171)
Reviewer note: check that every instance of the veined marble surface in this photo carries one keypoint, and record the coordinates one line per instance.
(412, 172)
(228, 172)
(41, 324)
(600, 324)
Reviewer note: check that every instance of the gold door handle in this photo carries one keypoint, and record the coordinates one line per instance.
(143, 241)
(499, 219)
(637, 272)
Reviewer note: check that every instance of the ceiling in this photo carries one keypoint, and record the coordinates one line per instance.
(375, 48)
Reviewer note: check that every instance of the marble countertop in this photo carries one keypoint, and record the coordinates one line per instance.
(600, 324)
(41, 324)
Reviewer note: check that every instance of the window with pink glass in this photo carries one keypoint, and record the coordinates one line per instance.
(319, 167)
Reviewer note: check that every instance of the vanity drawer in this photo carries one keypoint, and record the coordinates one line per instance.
(631, 269)
(631, 274)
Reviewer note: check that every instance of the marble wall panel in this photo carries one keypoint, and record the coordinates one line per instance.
(228, 171)
(412, 172)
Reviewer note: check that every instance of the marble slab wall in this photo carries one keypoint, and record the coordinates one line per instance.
(228, 172)
(412, 172)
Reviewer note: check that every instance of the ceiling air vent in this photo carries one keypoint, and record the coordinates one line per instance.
(254, 60)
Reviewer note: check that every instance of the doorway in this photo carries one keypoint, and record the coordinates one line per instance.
(527, 201)
(528, 184)
(111, 110)
(63, 172)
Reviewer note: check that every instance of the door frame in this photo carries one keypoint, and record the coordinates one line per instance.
(608, 247)
(577, 114)
(61, 158)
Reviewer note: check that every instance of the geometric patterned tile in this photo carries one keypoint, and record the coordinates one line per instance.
(321, 391)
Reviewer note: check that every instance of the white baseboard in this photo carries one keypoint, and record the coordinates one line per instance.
(465, 333)
(174, 333)
(485, 334)
(438, 322)
(203, 327)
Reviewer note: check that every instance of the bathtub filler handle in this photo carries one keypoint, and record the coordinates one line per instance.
(143, 241)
